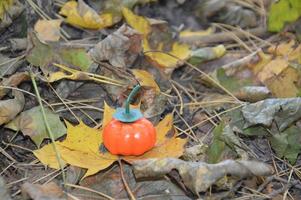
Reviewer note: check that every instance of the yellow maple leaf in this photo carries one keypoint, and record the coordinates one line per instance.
(80, 14)
(47, 156)
(146, 79)
(170, 59)
(81, 146)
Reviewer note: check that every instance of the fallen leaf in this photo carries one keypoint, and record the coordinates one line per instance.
(153, 103)
(282, 12)
(217, 146)
(4, 5)
(9, 10)
(9, 65)
(48, 155)
(206, 54)
(280, 75)
(225, 145)
(10, 108)
(12, 81)
(48, 30)
(195, 153)
(158, 56)
(138, 23)
(188, 33)
(227, 12)
(273, 68)
(253, 93)
(199, 176)
(146, 79)
(44, 55)
(111, 184)
(283, 112)
(120, 48)
(80, 14)
(81, 147)
(170, 59)
(49, 191)
(287, 143)
(31, 123)
(232, 83)
(285, 84)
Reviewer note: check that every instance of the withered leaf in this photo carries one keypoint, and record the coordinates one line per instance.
(121, 48)
(199, 176)
(31, 123)
(10, 108)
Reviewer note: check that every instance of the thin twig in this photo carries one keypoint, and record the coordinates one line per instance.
(49, 131)
(90, 190)
(124, 181)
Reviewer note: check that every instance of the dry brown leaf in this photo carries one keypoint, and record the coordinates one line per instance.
(48, 30)
(49, 191)
(31, 123)
(120, 48)
(146, 79)
(199, 176)
(157, 55)
(285, 84)
(12, 81)
(11, 107)
(280, 74)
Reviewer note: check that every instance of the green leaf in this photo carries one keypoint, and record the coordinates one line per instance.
(287, 144)
(31, 123)
(282, 12)
(217, 147)
(44, 55)
(231, 82)
(237, 122)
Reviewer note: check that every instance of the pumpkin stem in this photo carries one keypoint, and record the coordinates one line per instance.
(128, 100)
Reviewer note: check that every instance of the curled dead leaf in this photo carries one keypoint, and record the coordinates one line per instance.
(199, 176)
(10, 108)
(12, 81)
(120, 48)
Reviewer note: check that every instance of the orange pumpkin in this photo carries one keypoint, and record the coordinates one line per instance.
(134, 138)
(129, 133)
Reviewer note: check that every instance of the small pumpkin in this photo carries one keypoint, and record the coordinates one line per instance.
(129, 133)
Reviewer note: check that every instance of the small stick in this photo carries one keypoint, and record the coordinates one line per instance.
(222, 37)
(124, 181)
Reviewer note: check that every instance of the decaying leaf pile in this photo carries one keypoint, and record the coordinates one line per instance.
(220, 82)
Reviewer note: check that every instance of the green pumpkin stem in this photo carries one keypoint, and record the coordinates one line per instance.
(128, 100)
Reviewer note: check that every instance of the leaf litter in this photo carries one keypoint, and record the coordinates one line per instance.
(222, 91)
